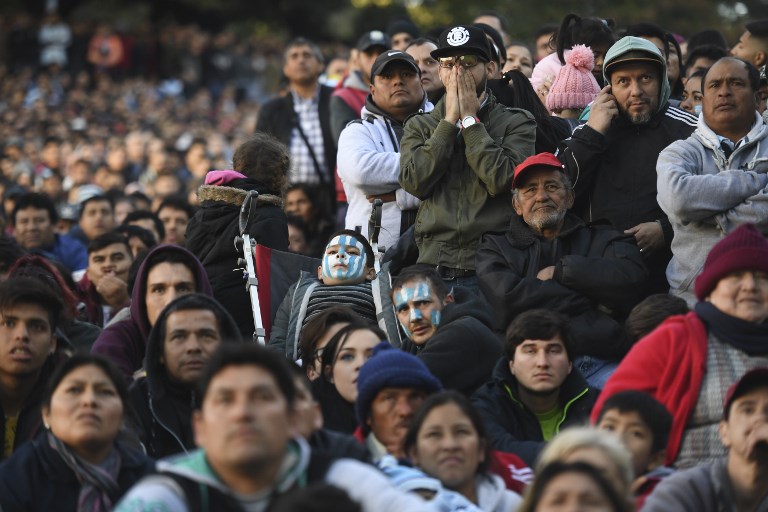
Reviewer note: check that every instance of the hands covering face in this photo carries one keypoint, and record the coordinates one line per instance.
(461, 98)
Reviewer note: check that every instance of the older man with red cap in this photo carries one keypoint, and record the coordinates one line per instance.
(549, 258)
(689, 362)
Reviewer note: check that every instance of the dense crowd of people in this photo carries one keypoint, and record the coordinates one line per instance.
(486, 276)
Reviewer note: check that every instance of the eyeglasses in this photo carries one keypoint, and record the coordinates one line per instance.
(466, 61)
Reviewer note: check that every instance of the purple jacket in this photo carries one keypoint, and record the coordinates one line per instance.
(125, 342)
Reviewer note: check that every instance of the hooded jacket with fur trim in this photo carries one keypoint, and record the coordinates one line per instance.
(212, 230)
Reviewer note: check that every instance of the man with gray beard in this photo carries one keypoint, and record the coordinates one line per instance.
(612, 158)
(549, 258)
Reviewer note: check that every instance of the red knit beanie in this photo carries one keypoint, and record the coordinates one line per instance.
(743, 249)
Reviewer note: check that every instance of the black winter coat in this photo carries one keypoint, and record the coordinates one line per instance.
(512, 427)
(599, 276)
(614, 176)
(211, 233)
(161, 409)
(464, 349)
(36, 478)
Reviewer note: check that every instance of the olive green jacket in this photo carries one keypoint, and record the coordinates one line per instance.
(462, 177)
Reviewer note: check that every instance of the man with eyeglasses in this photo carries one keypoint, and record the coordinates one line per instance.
(459, 158)
(551, 259)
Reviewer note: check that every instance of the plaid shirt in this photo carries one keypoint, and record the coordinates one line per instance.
(302, 167)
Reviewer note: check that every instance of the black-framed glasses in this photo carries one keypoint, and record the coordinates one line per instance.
(465, 61)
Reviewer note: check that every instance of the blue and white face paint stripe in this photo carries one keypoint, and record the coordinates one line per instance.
(342, 265)
(407, 296)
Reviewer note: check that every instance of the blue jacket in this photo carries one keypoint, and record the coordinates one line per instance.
(69, 251)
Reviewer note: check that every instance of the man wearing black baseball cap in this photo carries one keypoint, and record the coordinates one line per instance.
(459, 159)
(369, 149)
(738, 481)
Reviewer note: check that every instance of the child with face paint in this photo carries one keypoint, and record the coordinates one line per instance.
(343, 279)
(450, 332)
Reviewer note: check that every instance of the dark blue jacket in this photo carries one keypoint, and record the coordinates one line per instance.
(36, 478)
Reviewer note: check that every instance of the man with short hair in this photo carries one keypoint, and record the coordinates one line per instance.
(753, 43)
(301, 120)
(185, 335)
(34, 221)
(97, 216)
(168, 272)
(369, 149)
(611, 159)
(534, 392)
(459, 158)
(104, 287)
(549, 258)
(174, 212)
(29, 353)
(716, 179)
(450, 331)
(390, 388)
(421, 50)
(249, 452)
(739, 481)
(147, 220)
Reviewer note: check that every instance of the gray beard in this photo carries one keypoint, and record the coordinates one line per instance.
(541, 222)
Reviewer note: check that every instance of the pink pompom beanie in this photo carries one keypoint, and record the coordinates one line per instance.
(574, 87)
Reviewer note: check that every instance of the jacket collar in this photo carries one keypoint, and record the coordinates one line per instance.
(572, 388)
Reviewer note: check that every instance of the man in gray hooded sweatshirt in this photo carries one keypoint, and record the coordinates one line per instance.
(612, 158)
(715, 180)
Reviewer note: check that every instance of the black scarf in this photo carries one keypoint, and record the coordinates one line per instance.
(748, 337)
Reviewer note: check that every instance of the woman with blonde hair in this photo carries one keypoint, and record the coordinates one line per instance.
(591, 446)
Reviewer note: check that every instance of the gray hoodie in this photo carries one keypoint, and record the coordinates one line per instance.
(706, 195)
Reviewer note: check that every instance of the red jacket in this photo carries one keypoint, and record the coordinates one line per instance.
(669, 365)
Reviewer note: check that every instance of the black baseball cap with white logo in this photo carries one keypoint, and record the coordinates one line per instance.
(463, 40)
(388, 57)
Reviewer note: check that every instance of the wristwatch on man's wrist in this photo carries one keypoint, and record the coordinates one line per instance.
(468, 121)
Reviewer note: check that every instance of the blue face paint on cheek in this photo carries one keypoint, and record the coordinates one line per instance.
(435, 317)
(343, 265)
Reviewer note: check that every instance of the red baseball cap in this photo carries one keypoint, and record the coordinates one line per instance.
(755, 378)
(540, 160)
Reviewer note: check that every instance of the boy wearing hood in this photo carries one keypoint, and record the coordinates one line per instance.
(167, 272)
(184, 337)
(369, 148)
(611, 160)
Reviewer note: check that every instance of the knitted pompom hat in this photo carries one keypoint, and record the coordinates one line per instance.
(745, 248)
(574, 87)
